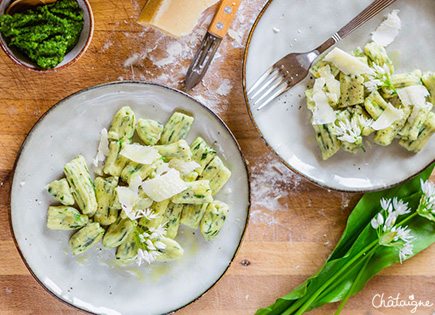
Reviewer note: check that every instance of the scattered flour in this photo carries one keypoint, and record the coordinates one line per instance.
(107, 45)
(134, 60)
(272, 181)
(259, 216)
(345, 200)
(224, 88)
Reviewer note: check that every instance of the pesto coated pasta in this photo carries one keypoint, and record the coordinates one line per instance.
(143, 192)
(372, 100)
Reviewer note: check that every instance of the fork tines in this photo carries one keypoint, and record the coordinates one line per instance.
(269, 86)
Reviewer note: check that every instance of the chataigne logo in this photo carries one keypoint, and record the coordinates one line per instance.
(380, 301)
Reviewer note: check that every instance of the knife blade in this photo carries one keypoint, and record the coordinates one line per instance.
(210, 44)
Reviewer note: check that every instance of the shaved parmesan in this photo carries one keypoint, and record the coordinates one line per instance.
(388, 30)
(346, 63)
(139, 153)
(127, 198)
(103, 148)
(387, 118)
(164, 186)
(144, 203)
(184, 167)
(323, 112)
(135, 182)
(332, 84)
(414, 95)
(161, 168)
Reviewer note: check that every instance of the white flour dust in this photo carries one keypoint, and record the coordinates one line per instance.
(271, 183)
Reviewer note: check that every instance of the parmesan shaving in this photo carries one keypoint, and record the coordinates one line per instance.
(414, 95)
(139, 153)
(387, 118)
(388, 30)
(103, 148)
(164, 186)
(183, 167)
(332, 84)
(127, 198)
(323, 112)
(135, 182)
(346, 63)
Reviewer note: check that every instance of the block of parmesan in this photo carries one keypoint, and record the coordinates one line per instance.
(174, 17)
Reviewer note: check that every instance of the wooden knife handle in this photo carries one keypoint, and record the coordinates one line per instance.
(224, 16)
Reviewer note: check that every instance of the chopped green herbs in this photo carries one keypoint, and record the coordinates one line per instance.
(45, 34)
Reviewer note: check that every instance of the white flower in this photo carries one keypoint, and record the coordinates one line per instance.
(377, 221)
(380, 77)
(364, 122)
(148, 256)
(149, 244)
(427, 202)
(348, 131)
(158, 232)
(149, 248)
(385, 203)
(374, 223)
(428, 188)
(160, 245)
(389, 222)
(372, 85)
(148, 214)
(400, 207)
(405, 251)
(402, 233)
(380, 219)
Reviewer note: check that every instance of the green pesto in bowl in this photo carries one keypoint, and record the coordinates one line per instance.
(46, 33)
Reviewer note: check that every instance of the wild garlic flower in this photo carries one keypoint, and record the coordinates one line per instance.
(385, 225)
(348, 131)
(149, 244)
(364, 122)
(426, 208)
(136, 214)
(379, 78)
(405, 250)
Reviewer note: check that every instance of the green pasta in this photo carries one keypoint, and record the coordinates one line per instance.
(82, 187)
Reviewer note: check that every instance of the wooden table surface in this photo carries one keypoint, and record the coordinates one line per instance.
(294, 224)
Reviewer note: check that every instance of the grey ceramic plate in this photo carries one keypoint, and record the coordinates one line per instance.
(285, 124)
(93, 282)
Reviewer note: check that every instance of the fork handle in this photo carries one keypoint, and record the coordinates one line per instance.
(369, 12)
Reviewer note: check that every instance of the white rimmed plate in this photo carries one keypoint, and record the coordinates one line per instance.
(297, 26)
(92, 281)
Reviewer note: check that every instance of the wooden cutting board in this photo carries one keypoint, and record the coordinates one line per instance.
(294, 225)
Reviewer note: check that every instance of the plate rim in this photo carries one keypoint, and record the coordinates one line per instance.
(308, 178)
(139, 83)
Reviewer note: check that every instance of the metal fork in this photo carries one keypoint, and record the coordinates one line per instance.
(293, 68)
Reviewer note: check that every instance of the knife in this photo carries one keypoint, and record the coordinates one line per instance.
(210, 44)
